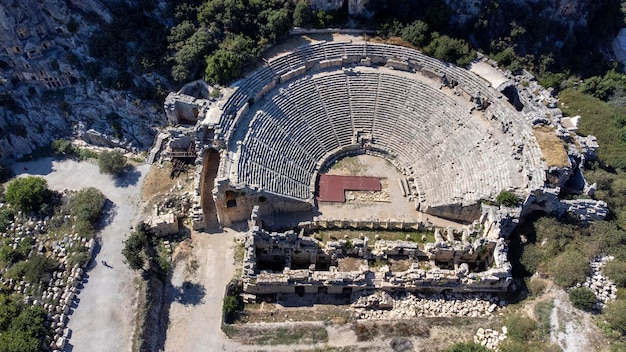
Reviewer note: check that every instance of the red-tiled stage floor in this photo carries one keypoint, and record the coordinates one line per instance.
(332, 187)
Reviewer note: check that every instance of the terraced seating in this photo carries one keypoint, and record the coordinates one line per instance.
(452, 155)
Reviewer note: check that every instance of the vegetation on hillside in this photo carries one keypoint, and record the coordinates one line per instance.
(27, 255)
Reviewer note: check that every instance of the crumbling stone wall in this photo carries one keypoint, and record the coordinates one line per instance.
(291, 262)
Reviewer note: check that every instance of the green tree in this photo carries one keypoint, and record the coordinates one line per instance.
(569, 268)
(507, 198)
(225, 64)
(276, 23)
(416, 33)
(86, 204)
(302, 14)
(28, 193)
(134, 249)
(582, 298)
(450, 49)
(111, 162)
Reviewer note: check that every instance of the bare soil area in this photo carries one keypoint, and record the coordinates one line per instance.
(390, 203)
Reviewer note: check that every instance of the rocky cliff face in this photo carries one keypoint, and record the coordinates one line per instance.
(43, 93)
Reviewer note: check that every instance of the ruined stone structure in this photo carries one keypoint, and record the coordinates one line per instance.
(294, 263)
(457, 139)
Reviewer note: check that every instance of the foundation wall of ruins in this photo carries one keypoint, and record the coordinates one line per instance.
(235, 204)
(457, 212)
(288, 253)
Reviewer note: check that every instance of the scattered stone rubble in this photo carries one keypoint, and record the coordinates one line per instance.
(490, 338)
(382, 305)
(604, 289)
(58, 294)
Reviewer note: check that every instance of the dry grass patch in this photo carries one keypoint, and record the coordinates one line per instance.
(551, 147)
(415, 236)
(393, 41)
(277, 335)
(158, 181)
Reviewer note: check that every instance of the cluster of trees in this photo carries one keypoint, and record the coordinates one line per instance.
(221, 36)
(21, 327)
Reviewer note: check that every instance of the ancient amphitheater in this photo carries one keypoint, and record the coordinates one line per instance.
(456, 140)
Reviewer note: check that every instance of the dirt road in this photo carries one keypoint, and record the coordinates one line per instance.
(103, 319)
(196, 308)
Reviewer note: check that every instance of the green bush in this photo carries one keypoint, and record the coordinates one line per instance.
(467, 347)
(531, 258)
(134, 247)
(450, 49)
(569, 268)
(63, 147)
(34, 269)
(111, 162)
(507, 198)
(86, 204)
(582, 298)
(230, 304)
(615, 315)
(520, 327)
(616, 271)
(78, 258)
(6, 216)
(28, 193)
(416, 33)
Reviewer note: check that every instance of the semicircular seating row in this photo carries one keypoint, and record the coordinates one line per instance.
(288, 171)
(423, 128)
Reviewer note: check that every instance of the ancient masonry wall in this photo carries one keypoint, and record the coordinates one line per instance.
(289, 262)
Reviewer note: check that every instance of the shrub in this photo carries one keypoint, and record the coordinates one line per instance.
(615, 315)
(537, 286)
(33, 270)
(28, 193)
(467, 347)
(111, 162)
(134, 249)
(62, 147)
(78, 258)
(582, 298)
(87, 204)
(520, 327)
(569, 268)
(6, 216)
(507, 198)
(616, 271)
(531, 258)
(230, 304)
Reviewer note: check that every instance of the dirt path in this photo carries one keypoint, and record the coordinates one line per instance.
(572, 329)
(196, 308)
(103, 320)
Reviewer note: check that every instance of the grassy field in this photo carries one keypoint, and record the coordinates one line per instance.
(414, 236)
(551, 147)
(603, 120)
